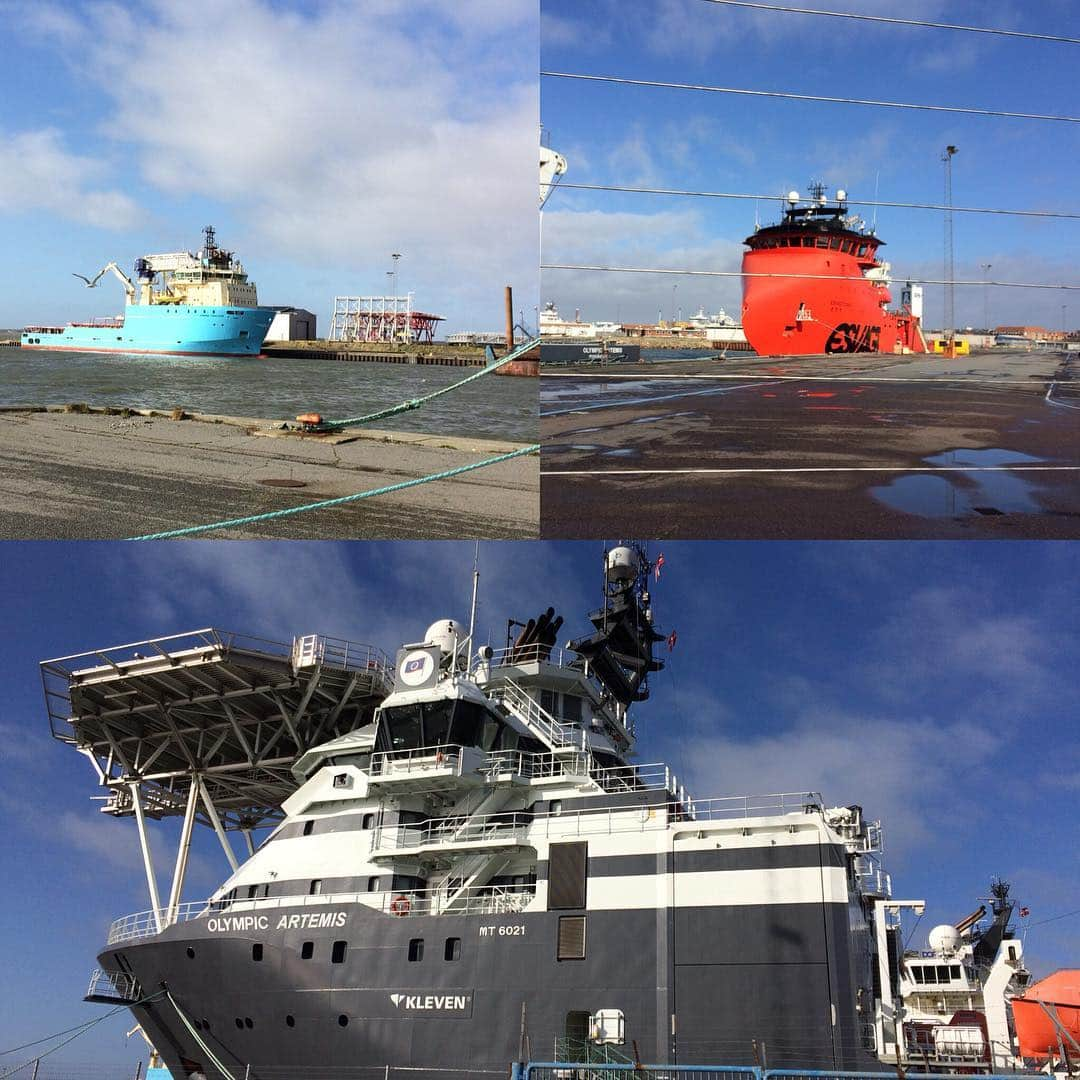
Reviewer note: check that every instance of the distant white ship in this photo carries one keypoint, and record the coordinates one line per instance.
(720, 321)
(553, 325)
(720, 328)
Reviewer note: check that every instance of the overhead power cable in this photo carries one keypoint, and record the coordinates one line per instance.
(807, 97)
(898, 22)
(1055, 918)
(854, 202)
(823, 277)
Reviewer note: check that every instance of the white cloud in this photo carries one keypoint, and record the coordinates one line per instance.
(353, 129)
(902, 771)
(675, 239)
(38, 172)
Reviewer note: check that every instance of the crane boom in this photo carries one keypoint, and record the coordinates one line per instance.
(129, 287)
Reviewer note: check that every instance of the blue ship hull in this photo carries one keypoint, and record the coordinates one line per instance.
(196, 330)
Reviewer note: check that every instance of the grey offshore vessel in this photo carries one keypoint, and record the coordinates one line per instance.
(466, 866)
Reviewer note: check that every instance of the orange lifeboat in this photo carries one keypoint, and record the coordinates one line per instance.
(1058, 994)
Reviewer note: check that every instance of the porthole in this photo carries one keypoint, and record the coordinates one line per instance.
(190, 953)
(307, 950)
(240, 1023)
(343, 1020)
(248, 1023)
(290, 1021)
(206, 1024)
(257, 951)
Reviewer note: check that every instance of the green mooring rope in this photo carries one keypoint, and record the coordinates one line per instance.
(233, 522)
(415, 403)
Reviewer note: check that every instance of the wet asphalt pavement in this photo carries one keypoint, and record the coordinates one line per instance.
(882, 447)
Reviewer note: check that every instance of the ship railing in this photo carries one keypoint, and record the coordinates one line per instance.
(546, 766)
(585, 1069)
(534, 653)
(418, 761)
(253, 913)
(113, 985)
(528, 710)
(106, 321)
(653, 776)
(59, 675)
(341, 654)
(456, 831)
(446, 758)
(744, 806)
(512, 827)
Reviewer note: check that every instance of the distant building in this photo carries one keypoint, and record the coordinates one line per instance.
(292, 324)
(1032, 333)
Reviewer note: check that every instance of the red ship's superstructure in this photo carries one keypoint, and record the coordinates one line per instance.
(830, 292)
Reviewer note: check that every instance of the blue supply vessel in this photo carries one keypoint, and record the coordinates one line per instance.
(201, 305)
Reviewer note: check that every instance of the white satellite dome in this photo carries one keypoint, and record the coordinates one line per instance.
(622, 564)
(944, 939)
(447, 634)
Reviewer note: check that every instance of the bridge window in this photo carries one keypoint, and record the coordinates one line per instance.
(834, 243)
(367, 821)
(372, 884)
(315, 888)
(453, 949)
(416, 950)
(308, 827)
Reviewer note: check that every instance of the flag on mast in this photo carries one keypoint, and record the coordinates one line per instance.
(659, 564)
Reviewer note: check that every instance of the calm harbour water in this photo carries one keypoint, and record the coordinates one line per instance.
(497, 407)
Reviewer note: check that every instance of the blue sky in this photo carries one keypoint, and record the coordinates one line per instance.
(935, 684)
(637, 136)
(319, 137)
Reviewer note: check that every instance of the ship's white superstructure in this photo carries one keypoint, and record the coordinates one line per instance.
(955, 994)
(464, 845)
(552, 324)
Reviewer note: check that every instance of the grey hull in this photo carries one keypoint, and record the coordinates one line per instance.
(783, 975)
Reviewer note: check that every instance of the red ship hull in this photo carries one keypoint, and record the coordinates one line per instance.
(803, 316)
(813, 285)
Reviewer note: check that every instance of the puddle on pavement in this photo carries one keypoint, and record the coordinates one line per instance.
(987, 494)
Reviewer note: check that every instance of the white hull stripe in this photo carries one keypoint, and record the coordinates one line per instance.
(729, 888)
